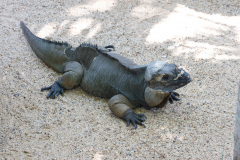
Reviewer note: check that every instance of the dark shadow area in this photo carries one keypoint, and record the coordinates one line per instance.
(102, 27)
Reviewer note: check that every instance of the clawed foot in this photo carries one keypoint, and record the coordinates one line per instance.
(134, 118)
(173, 97)
(110, 46)
(55, 90)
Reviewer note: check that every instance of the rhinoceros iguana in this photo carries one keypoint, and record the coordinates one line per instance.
(102, 73)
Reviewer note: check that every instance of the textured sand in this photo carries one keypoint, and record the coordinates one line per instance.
(201, 36)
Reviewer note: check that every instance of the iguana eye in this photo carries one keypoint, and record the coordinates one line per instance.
(165, 77)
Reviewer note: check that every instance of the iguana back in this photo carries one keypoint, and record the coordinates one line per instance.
(107, 74)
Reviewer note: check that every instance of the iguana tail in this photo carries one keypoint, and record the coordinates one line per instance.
(52, 53)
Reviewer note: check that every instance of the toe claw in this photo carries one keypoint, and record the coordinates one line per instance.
(176, 93)
(141, 119)
(45, 88)
(57, 94)
(49, 94)
(54, 94)
(128, 122)
(134, 124)
(62, 91)
(143, 115)
(170, 100)
(174, 97)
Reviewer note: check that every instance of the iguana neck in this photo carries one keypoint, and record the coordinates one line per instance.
(134, 87)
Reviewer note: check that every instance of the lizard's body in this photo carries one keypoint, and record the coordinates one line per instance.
(105, 74)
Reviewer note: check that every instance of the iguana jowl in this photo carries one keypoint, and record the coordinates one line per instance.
(102, 73)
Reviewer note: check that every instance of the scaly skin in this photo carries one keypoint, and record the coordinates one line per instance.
(102, 73)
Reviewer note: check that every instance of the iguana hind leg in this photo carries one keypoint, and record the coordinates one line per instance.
(122, 108)
(72, 76)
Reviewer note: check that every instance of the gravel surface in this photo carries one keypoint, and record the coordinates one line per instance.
(201, 36)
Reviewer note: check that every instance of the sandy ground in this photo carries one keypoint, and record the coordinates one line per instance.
(201, 36)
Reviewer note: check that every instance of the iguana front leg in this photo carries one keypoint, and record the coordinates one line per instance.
(55, 90)
(122, 108)
(173, 97)
(72, 76)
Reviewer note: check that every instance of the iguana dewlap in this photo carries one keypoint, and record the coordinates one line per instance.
(102, 73)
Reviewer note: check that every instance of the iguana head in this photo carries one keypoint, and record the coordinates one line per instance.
(162, 78)
(166, 77)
